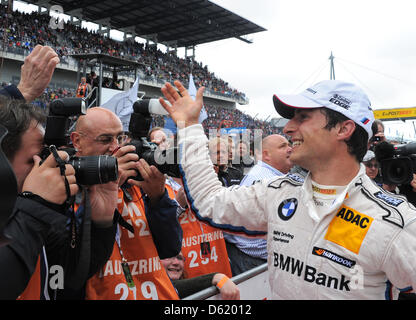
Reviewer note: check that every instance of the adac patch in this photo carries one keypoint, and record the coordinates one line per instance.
(348, 228)
(287, 208)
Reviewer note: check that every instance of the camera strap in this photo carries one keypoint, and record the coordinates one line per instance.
(61, 164)
(79, 276)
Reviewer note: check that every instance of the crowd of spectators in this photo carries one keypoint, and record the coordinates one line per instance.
(234, 118)
(22, 31)
(49, 95)
(218, 117)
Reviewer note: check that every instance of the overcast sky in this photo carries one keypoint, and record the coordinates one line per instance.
(373, 42)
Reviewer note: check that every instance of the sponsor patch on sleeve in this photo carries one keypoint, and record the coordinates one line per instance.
(393, 201)
(348, 228)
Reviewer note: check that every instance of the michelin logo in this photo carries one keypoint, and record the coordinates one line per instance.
(388, 199)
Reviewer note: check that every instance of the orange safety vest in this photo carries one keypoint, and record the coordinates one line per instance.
(195, 235)
(82, 90)
(150, 278)
(33, 288)
(196, 232)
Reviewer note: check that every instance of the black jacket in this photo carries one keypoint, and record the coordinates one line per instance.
(243, 164)
(35, 224)
(230, 176)
(28, 227)
(11, 92)
(164, 225)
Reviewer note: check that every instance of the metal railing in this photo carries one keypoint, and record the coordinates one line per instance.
(93, 102)
(212, 291)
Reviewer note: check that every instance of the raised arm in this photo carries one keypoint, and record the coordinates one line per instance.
(238, 210)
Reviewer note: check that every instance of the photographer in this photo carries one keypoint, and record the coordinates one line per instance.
(207, 255)
(148, 227)
(378, 134)
(398, 167)
(38, 209)
(79, 251)
(398, 176)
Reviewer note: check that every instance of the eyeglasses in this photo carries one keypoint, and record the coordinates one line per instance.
(108, 139)
(371, 165)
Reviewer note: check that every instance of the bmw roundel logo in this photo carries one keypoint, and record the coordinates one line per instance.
(287, 208)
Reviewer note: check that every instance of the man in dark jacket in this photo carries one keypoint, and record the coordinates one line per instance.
(218, 152)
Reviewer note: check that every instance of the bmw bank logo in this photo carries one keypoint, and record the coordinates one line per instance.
(287, 208)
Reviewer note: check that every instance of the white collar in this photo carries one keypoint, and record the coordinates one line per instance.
(307, 194)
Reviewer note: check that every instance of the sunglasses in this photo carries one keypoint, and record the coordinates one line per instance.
(371, 165)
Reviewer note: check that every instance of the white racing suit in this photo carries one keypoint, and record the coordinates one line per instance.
(363, 247)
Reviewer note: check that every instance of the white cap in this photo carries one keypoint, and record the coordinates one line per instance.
(340, 96)
(369, 156)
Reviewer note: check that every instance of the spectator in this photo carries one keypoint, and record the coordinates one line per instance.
(218, 151)
(93, 82)
(242, 160)
(371, 165)
(159, 66)
(83, 88)
(203, 245)
(92, 79)
(187, 286)
(244, 253)
(23, 31)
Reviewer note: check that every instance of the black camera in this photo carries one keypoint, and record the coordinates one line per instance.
(139, 126)
(397, 162)
(89, 170)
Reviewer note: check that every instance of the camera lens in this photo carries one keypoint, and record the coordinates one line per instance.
(397, 171)
(92, 170)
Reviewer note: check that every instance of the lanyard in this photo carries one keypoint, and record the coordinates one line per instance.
(124, 263)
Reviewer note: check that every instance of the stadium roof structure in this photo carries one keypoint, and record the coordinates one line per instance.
(180, 23)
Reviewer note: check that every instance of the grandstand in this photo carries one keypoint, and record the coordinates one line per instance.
(174, 24)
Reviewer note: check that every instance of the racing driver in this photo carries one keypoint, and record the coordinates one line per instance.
(334, 235)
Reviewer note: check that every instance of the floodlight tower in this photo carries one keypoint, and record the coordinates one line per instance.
(332, 69)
